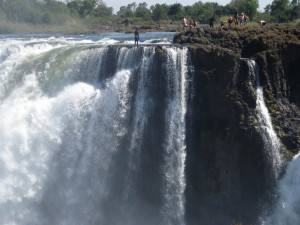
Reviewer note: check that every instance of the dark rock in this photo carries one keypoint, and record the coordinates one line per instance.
(228, 175)
(277, 52)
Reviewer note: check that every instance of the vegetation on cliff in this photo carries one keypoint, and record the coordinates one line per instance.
(90, 16)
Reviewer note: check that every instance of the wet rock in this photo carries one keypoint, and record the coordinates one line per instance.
(227, 170)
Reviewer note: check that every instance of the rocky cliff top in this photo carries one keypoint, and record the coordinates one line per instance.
(245, 41)
(276, 50)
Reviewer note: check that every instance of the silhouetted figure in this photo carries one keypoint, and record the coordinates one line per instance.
(230, 21)
(236, 19)
(211, 21)
(136, 36)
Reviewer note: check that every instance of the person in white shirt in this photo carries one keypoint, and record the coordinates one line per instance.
(262, 23)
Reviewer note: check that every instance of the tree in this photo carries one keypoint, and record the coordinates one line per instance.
(284, 10)
(87, 7)
(249, 7)
(34, 11)
(143, 12)
(143, 5)
(102, 11)
(279, 9)
(268, 8)
(195, 11)
(175, 11)
(74, 7)
(209, 10)
(82, 7)
(133, 6)
(159, 12)
(125, 11)
(295, 10)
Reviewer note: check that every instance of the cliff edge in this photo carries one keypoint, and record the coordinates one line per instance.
(228, 169)
(276, 50)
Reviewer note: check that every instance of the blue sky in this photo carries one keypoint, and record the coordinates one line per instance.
(116, 4)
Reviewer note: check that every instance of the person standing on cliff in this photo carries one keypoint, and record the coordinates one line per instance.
(192, 24)
(230, 20)
(184, 24)
(242, 20)
(211, 21)
(222, 25)
(236, 20)
(136, 36)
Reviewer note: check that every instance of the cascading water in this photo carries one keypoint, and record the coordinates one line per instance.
(286, 210)
(85, 142)
(175, 123)
(271, 141)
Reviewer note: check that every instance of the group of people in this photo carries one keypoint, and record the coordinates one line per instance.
(192, 24)
(241, 20)
(237, 20)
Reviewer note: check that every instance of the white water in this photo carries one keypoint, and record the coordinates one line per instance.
(142, 108)
(175, 144)
(271, 141)
(287, 209)
(60, 130)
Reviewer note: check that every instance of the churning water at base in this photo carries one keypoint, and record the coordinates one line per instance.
(74, 133)
(287, 209)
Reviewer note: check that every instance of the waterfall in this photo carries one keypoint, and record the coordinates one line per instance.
(271, 141)
(175, 119)
(91, 134)
(286, 210)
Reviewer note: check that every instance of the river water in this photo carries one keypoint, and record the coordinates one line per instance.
(87, 134)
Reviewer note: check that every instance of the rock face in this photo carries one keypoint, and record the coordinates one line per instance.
(228, 172)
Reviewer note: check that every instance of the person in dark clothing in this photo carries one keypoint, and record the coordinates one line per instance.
(136, 36)
(236, 20)
(230, 20)
(211, 21)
